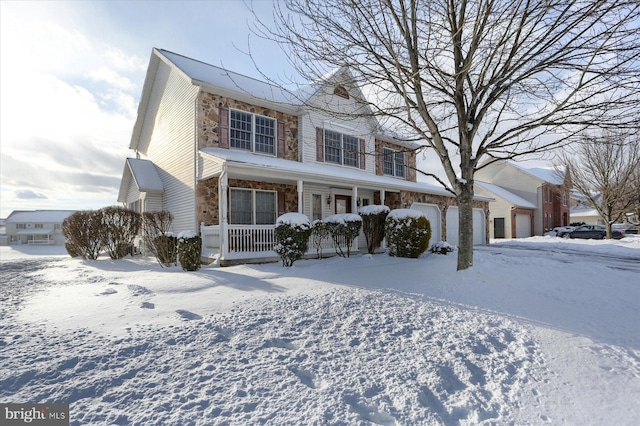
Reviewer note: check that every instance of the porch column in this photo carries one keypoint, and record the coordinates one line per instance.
(223, 184)
(354, 199)
(383, 245)
(300, 191)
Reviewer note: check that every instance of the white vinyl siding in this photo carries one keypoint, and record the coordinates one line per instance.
(172, 145)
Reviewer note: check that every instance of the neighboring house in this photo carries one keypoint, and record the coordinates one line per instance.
(36, 226)
(530, 201)
(227, 154)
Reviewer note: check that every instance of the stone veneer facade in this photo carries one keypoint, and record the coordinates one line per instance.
(410, 156)
(208, 105)
(208, 197)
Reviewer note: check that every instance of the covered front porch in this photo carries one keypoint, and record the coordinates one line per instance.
(240, 195)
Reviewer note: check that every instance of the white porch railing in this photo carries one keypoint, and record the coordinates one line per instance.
(254, 241)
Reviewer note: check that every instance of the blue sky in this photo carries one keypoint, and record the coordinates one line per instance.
(71, 77)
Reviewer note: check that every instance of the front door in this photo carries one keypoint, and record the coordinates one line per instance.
(343, 204)
(498, 227)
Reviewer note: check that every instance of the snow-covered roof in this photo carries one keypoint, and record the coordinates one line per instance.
(39, 216)
(584, 211)
(506, 195)
(320, 172)
(202, 73)
(144, 174)
(547, 175)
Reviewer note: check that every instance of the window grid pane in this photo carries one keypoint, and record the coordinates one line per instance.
(265, 208)
(350, 151)
(388, 162)
(265, 135)
(241, 209)
(332, 147)
(240, 130)
(399, 164)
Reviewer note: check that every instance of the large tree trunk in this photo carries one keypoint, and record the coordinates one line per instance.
(465, 227)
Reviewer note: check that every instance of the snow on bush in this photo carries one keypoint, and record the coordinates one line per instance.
(344, 229)
(373, 217)
(292, 237)
(408, 233)
(441, 247)
(189, 250)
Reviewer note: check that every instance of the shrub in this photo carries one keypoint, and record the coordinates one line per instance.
(408, 233)
(119, 229)
(292, 237)
(157, 225)
(319, 232)
(373, 218)
(166, 249)
(441, 247)
(344, 229)
(82, 233)
(189, 250)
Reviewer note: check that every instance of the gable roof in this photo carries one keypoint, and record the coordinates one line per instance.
(540, 173)
(506, 195)
(145, 176)
(42, 216)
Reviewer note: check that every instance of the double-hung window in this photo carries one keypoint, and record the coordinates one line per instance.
(252, 207)
(394, 163)
(252, 132)
(341, 149)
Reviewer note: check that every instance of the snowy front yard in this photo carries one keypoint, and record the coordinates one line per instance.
(527, 336)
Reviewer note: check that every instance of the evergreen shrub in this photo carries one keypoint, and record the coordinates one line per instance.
(189, 250)
(292, 234)
(408, 233)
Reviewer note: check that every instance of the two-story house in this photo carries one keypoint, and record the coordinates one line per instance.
(529, 201)
(36, 226)
(227, 154)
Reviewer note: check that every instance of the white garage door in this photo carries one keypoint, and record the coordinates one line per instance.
(523, 225)
(478, 226)
(433, 214)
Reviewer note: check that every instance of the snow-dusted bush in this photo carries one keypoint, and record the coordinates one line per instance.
(292, 237)
(157, 237)
(119, 229)
(373, 218)
(319, 231)
(441, 247)
(189, 250)
(408, 232)
(82, 234)
(344, 229)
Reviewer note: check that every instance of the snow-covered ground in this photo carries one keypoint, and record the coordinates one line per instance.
(540, 330)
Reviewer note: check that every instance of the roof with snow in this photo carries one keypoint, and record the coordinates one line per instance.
(202, 73)
(39, 216)
(144, 174)
(506, 195)
(552, 176)
(319, 172)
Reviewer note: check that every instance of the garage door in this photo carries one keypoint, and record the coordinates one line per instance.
(433, 214)
(523, 225)
(478, 226)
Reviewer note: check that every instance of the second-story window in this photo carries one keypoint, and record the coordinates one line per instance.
(341, 149)
(252, 132)
(394, 163)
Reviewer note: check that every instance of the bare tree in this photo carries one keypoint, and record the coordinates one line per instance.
(476, 81)
(604, 170)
